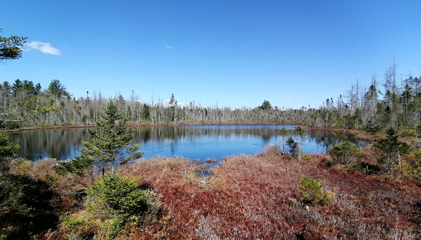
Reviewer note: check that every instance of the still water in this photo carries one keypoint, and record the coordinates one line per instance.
(193, 142)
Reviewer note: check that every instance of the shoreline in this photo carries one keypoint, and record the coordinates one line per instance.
(141, 125)
(359, 134)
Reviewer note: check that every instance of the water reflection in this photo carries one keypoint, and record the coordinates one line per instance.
(195, 142)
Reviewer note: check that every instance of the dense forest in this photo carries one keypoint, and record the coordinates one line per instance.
(374, 107)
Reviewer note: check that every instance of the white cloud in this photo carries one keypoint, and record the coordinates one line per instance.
(44, 70)
(183, 103)
(169, 47)
(167, 102)
(43, 47)
(288, 100)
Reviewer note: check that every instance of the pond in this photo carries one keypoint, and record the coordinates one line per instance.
(193, 142)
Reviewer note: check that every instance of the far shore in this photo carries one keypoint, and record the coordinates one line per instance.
(134, 125)
(359, 134)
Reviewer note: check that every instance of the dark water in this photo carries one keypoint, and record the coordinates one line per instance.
(194, 142)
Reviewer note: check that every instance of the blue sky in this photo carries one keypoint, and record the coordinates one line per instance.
(230, 53)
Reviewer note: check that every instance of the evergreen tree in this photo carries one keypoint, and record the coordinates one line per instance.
(57, 89)
(7, 150)
(108, 146)
(392, 148)
(10, 47)
(265, 105)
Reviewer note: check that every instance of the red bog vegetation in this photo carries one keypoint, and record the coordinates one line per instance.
(252, 197)
(247, 197)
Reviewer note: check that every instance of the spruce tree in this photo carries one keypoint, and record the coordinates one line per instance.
(7, 150)
(108, 146)
(392, 148)
(10, 47)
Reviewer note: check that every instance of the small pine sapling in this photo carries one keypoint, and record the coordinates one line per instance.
(312, 190)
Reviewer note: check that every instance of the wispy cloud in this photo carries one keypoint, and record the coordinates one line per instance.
(288, 100)
(169, 47)
(43, 47)
(44, 70)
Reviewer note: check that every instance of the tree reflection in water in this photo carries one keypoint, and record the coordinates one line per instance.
(196, 142)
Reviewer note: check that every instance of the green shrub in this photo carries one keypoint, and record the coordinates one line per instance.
(50, 179)
(306, 157)
(25, 207)
(366, 168)
(7, 150)
(345, 152)
(78, 166)
(120, 200)
(415, 155)
(283, 131)
(7, 147)
(312, 190)
(412, 170)
(117, 195)
(408, 133)
(79, 227)
(372, 129)
(72, 223)
(328, 163)
(115, 226)
(299, 130)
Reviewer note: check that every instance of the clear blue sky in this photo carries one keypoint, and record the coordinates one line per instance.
(232, 53)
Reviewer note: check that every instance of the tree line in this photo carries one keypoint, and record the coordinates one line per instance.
(381, 105)
(23, 103)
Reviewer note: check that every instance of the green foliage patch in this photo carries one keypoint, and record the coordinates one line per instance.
(366, 168)
(120, 200)
(10, 47)
(7, 147)
(328, 163)
(312, 190)
(345, 152)
(391, 148)
(25, 207)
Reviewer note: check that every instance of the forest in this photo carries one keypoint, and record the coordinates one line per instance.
(391, 102)
(111, 192)
(24, 104)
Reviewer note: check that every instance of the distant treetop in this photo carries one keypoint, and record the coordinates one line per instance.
(265, 105)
